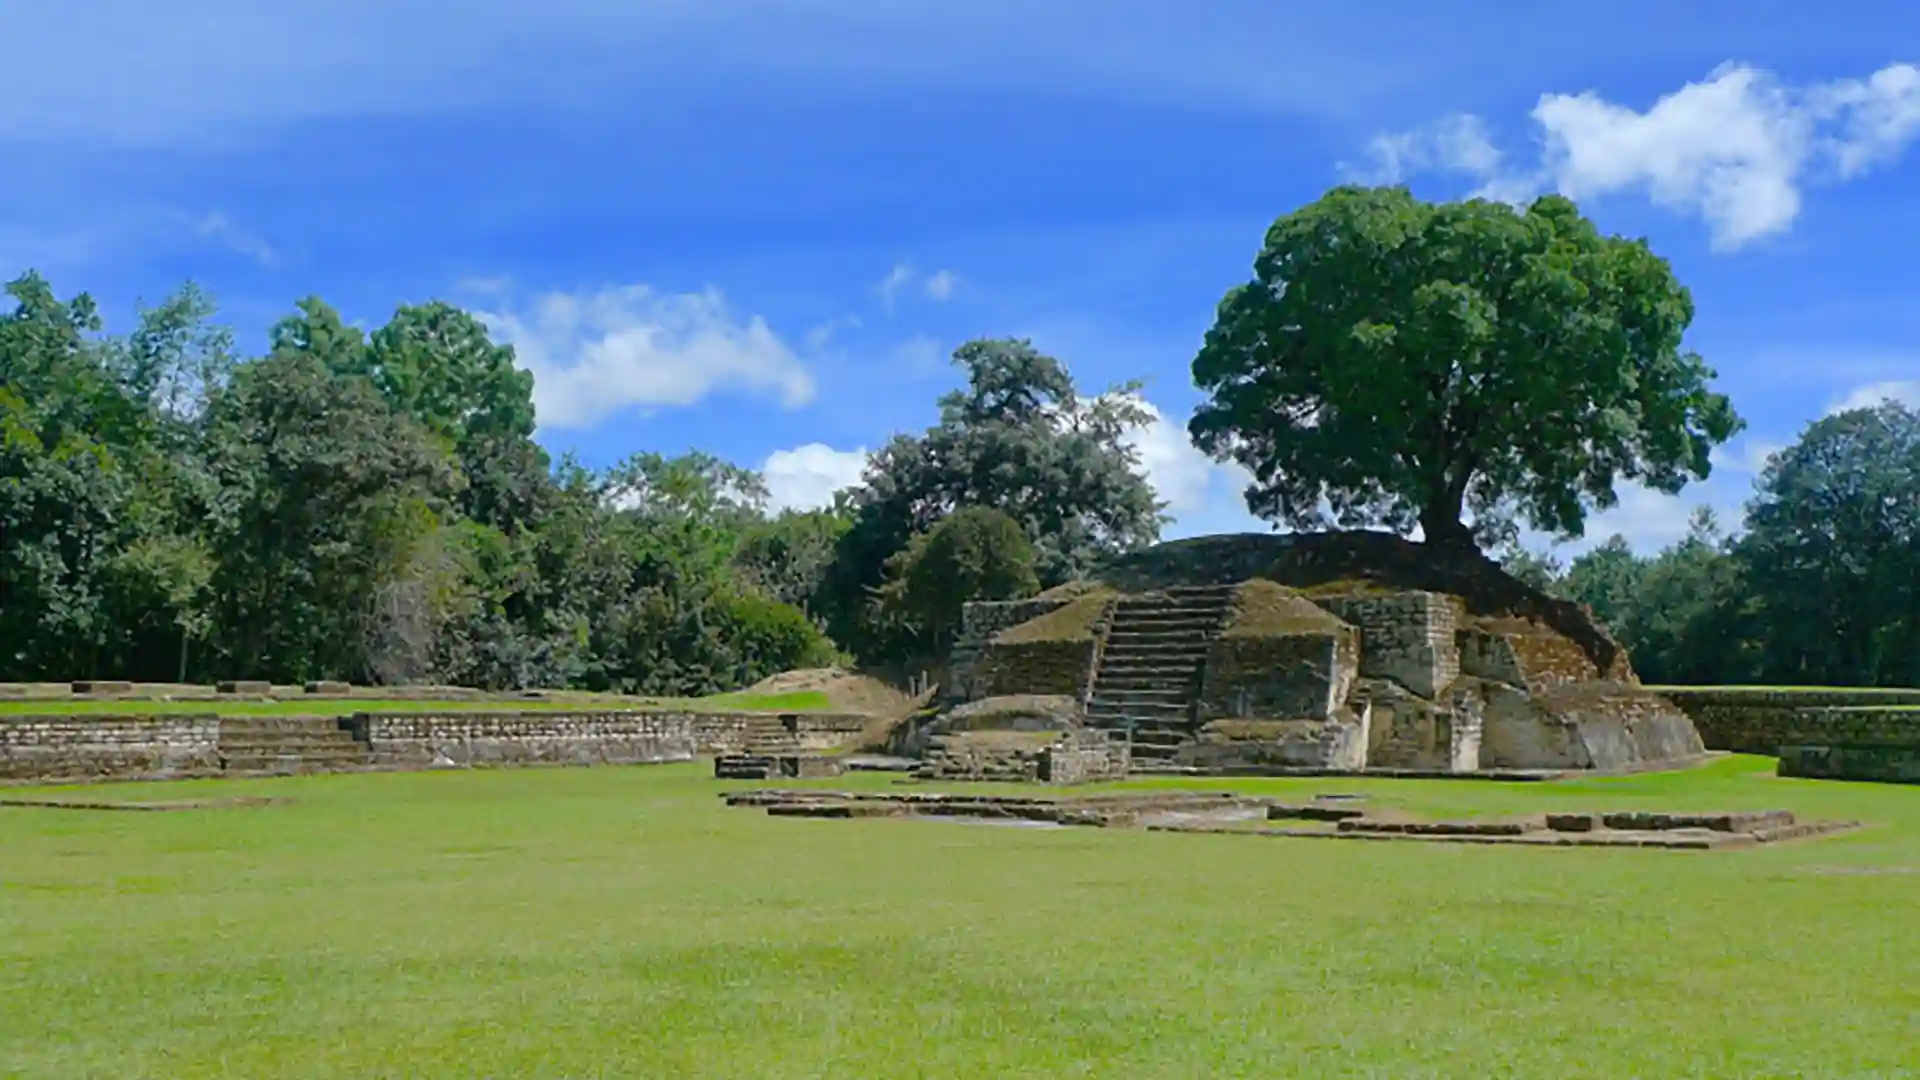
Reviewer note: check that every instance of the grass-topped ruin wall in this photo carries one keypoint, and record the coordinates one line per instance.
(62, 746)
(1817, 733)
(1761, 720)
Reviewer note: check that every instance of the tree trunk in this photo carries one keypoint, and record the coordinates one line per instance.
(1440, 521)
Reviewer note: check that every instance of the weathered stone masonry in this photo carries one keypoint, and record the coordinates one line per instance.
(53, 748)
(1745, 721)
(82, 747)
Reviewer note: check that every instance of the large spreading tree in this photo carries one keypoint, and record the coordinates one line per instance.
(1396, 363)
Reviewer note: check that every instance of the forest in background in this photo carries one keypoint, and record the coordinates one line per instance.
(375, 508)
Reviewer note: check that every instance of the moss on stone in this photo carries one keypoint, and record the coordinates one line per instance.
(1074, 621)
(1264, 609)
(998, 712)
(1259, 730)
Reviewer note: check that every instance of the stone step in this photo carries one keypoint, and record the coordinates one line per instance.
(270, 725)
(1138, 717)
(1178, 622)
(1103, 703)
(1151, 752)
(1123, 697)
(1143, 681)
(1108, 700)
(1178, 656)
(288, 744)
(1150, 665)
(1154, 646)
(293, 763)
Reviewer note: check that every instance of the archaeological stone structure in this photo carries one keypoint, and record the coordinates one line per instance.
(40, 748)
(1338, 651)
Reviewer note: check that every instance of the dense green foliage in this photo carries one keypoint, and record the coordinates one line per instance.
(977, 554)
(1019, 438)
(369, 508)
(374, 508)
(1397, 362)
(1821, 587)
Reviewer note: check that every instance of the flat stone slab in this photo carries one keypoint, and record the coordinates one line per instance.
(1226, 813)
(78, 804)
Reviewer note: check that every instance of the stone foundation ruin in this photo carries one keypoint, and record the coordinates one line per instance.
(1327, 817)
(1335, 651)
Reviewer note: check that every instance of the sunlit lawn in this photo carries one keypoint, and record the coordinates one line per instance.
(795, 701)
(623, 923)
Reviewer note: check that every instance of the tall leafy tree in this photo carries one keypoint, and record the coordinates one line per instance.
(1020, 439)
(1398, 363)
(1833, 550)
(327, 496)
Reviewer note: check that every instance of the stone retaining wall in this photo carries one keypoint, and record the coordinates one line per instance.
(1761, 721)
(1884, 764)
(130, 747)
(93, 746)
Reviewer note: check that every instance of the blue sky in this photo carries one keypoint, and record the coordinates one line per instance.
(757, 227)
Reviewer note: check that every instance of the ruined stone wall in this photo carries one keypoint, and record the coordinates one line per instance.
(1278, 678)
(419, 740)
(1086, 760)
(1522, 655)
(1605, 726)
(979, 621)
(1047, 668)
(93, 746)
(1880, 764)
(588, 738)
(1404, 730)
(1407, 637)
(1078, 757)
(1761, 721)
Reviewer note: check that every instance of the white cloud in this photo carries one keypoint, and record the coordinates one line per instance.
(806, 477)
(1202, 495)
(1736, 149)
(1905, 391)
(819, 336)
(221, 230)
(940, 285)
(593, 355)
(897, 278)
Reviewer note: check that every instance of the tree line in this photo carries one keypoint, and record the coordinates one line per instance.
(375, 507)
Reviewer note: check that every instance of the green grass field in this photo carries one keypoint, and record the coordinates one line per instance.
(797, 701)
(623, 923)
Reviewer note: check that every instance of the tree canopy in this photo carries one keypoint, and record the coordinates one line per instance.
(1019, 438)
(1397, 363)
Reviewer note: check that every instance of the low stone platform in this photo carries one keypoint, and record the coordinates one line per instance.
(776, 766)
(1327, 817)
(1522, 776)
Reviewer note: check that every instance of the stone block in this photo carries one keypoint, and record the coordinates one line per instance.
(102, 686)
(1884, 763)
(244, 686)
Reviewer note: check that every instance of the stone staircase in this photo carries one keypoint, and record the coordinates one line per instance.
(764, 742)
(289, 744)
(1149, 672)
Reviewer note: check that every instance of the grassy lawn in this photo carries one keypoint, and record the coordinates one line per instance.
(797, 701)
(623, 923)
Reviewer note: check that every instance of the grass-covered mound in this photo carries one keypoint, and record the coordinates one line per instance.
(1265, 609)
(1362, 561)
(1077, 620)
